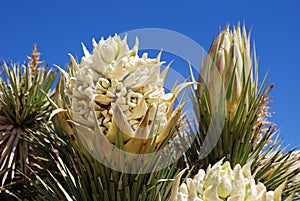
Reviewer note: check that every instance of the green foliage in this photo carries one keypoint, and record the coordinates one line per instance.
(24, 111)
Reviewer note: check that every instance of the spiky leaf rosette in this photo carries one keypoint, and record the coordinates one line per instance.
(247, 133)
(114, 96)
(78, 176)
(24, 108)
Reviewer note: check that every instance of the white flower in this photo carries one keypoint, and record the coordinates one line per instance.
(220, 182)
(114, 81)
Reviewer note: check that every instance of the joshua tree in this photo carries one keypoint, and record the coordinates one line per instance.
(110, 131)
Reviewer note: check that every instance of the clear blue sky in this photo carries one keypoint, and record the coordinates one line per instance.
(58, 27)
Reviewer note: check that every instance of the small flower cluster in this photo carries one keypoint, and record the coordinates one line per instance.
(220, 182)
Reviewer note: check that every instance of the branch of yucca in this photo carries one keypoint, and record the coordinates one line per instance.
(247, 133)
(79, 176)
(117, 98)
(24, 109)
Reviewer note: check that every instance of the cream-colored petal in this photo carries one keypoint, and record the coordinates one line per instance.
(278, 191)
(99, 64)
(270, 196)
(183, 189)
(235, 198)
(103, 100)
(181, 197)
(119, 124)
(85, 51)
(211, 193)
(170, 124)
(224, 187)
(174, 190)
(139, 110)
(239, 187)
(135, 144)
(107, 52)
(119, 72)
(73, 62)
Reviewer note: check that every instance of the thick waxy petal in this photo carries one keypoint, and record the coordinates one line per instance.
(278, 191)
(119, 124)
(211, 193)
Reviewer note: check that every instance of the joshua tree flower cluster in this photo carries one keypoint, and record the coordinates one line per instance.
(115, 76)
(220, 182)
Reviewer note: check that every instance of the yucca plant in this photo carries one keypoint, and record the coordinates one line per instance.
(114, 100)
(111, 132)
(247, 135)
(24, 110)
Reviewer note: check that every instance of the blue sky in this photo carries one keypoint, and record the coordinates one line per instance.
(58, 27)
